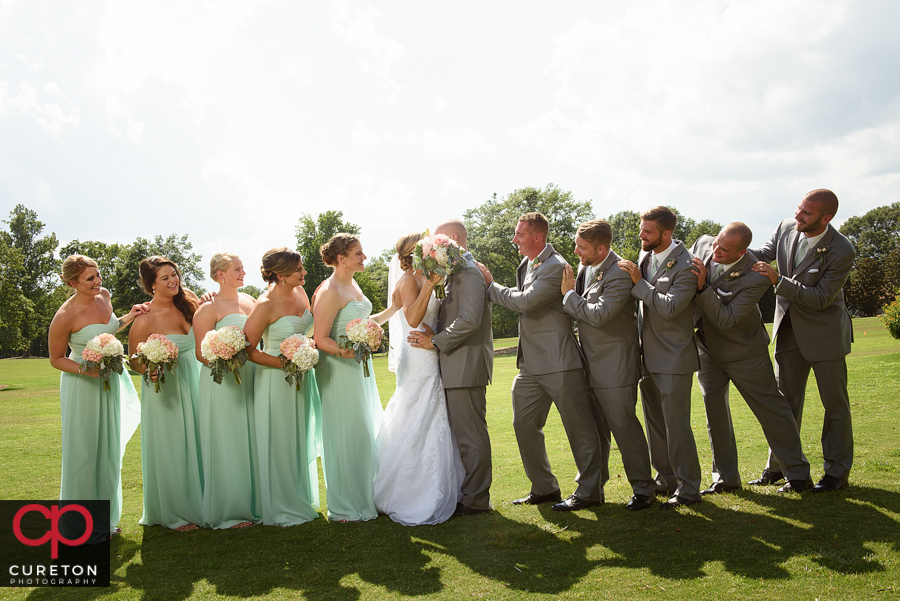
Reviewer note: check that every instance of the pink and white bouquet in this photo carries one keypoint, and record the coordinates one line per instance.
(364, 337)
(157, 353)
(438, 254)
(298, 356)
(226, 350)
(106, 352)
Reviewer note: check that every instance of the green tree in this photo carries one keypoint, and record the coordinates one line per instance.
(491, 226)
(33, 270)
(626, 225)
(891, 317)
(865, 290)
(876, 233)
(15, 309)
(252, 290)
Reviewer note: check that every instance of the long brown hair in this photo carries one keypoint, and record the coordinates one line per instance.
(185, 301)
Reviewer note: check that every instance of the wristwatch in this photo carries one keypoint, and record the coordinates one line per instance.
(432, 341)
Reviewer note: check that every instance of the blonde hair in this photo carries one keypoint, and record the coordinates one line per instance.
(405, 247)
(220, 262)
(597, 232)
(279, 261)
(338, 245)
(73, 267)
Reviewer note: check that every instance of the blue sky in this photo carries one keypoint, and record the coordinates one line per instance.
(227, 120)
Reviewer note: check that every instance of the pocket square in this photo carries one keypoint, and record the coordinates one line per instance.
(723, 293)
(663, 279)
(813, 271)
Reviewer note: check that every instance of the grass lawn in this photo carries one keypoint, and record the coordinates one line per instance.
(753, 544)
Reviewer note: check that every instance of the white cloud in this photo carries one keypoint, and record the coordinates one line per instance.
(357, 29)
(35, 64)
(440, 105)
(48, 106)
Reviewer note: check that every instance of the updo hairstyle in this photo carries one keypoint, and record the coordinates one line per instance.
(220, 262)
(338, 245)
(73, 267)
(185, 301)
(405, 247)
(279, 261)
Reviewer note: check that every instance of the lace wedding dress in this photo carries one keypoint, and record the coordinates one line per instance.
(419, 470)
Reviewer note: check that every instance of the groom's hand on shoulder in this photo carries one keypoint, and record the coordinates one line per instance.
(488, 278)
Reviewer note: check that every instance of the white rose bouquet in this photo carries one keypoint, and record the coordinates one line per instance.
(364, 337)
(438, 254)
(106, 352)
(298, 356)
(226, 350)
(157, 353)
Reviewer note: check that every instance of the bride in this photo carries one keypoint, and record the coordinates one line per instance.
(419, 470)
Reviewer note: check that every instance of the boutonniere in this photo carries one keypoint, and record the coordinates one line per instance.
(670, 265)
(535, 264)
(599, 276)
(733, 276)
(821, 251)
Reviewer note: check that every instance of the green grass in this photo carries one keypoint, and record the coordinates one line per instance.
(754, 544)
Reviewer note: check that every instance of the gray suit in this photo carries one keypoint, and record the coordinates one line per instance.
(550, 372)
(733, 345)
(670, 360)
(608, 333)
(465, 346)
(813, 331)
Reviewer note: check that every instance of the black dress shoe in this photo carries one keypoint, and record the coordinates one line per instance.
(533, 499)
(720, 488)
(828, 484)
(466, 510)
(678, 502)
(574, 503)
(768, 478)
(639, 502)
(795, 486)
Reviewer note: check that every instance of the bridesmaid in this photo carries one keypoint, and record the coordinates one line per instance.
(227, 430)
(351, 408)
(170, 432)
(96, 423)
(286, 419)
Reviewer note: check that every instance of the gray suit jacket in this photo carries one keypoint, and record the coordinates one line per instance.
(667, 317)
(546, 341)
(729, 322)
(464, 338)
(814, 291)
(607, 325)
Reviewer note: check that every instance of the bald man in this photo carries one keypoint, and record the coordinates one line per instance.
(812, 326)
(465, 345)
(733, 345)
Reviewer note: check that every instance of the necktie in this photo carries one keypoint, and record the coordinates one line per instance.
(653, 266)
(588, 274)
(801, 251)
(719, 271)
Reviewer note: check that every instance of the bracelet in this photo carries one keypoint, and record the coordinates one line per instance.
(429, 284)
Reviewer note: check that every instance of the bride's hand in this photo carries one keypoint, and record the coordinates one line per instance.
(435, 279)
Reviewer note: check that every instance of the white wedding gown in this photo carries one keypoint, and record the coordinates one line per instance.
(419, 470)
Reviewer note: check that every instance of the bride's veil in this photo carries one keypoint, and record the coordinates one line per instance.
(396, 328)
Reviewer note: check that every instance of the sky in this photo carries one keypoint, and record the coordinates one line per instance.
(227, 120)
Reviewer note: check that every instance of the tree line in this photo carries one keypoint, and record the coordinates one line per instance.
(30, 289)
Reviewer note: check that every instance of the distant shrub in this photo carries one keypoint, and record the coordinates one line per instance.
(891, 317)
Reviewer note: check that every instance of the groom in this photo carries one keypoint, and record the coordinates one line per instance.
(465, 347)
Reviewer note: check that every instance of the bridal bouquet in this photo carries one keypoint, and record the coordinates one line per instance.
(106, 352)
(226, 350)
(157, 353)
(298, 356)
(364, 337)
(438, 254)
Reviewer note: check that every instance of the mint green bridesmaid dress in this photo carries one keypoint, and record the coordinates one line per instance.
(351, 418)
(96, 426)
(228, 445)
(170, 443)
(287, 422)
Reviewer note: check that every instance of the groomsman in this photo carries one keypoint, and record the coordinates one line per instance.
(664, 284)
(550, 372)
(600, 299)
(465, 345)
(812, 326)
(733, 345)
